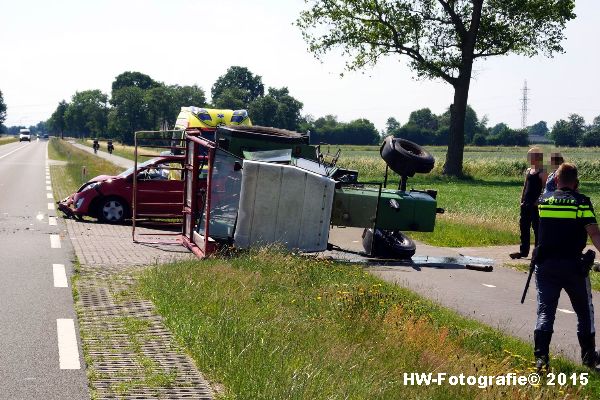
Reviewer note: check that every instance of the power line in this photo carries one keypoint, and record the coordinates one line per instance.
(524, 108)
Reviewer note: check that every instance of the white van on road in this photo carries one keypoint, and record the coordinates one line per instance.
(24, 134)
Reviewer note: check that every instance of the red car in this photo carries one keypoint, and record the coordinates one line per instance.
(110, 198)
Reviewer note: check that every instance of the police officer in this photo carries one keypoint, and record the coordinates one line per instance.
(566, 219)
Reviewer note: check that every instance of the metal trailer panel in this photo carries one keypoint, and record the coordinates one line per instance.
(283, 204)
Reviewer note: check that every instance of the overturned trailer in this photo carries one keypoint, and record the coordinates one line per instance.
(249, 185)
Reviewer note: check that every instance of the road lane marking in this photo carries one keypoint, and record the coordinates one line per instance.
(50, 206)
(68, 353)
(486, 285)
(60, 275)
(565, 311)
(49, 196)
(48, 187)
(10, 152)
(54, 242)
(39, 216)
(47, 181)
(52, 221)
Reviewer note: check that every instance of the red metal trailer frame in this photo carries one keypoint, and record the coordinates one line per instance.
(201, 245)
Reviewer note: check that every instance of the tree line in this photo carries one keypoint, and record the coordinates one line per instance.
(138, 102)
(426, 128)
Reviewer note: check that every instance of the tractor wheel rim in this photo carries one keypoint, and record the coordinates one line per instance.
(112, 211)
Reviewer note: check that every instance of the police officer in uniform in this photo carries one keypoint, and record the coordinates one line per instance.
(566, 219)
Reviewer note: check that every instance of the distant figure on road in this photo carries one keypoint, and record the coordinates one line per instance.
(110, 147)
(532, 189)
(566, 219)
(96, 146)
(556, 159)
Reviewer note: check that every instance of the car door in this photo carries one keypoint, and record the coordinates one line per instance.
(160, 190)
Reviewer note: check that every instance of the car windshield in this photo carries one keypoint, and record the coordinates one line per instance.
(129, 171)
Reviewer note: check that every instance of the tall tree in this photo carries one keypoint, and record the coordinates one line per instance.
(424, 118)
(87, 113)
(57, 122)
(239, 78)
(129, 113)
(441, 39)
(189, 96)
(568, 133)
(133, 78)
(233, 98)
(277, 108)
(539, 129)
(2, 109)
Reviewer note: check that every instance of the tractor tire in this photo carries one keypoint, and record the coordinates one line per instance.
(405, 157)
(388, 244)
(113, 210)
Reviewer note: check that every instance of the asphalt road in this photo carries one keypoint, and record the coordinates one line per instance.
(490, 297)
(40, 351)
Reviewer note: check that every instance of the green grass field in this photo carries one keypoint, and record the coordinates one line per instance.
(482, 209)
(8, 139)
(272, 325)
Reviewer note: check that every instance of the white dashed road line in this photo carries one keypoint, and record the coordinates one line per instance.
(10, 152)
(68, 353)
(49, 196)
(47, 181)
(50, 206)
(52, 221)
(60, 275)
(487, 285)
(48, 187)
(55, 242)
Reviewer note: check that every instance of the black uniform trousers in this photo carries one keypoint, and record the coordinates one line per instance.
(528, 219)
(551, 276)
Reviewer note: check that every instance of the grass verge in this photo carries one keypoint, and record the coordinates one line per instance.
(67, 178)
(271, 325)
(121, 150)
(8, 139)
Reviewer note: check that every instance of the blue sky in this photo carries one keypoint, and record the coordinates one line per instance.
(49, 50)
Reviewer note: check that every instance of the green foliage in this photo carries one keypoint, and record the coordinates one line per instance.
(133, 79)
(424, 119)
(86, 114)
(250, 86)
(57, 122)
(502, 135)
(232, 98)
(539, 129)
(277, 108)
(568, 133)
(591, 137)
(440, 39)
(328, 130)
(2, 109)
(129, 113)
(425, 128)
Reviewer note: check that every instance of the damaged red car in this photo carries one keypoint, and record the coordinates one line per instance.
(110, 198)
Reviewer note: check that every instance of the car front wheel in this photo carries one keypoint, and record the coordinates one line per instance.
(113, 210)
